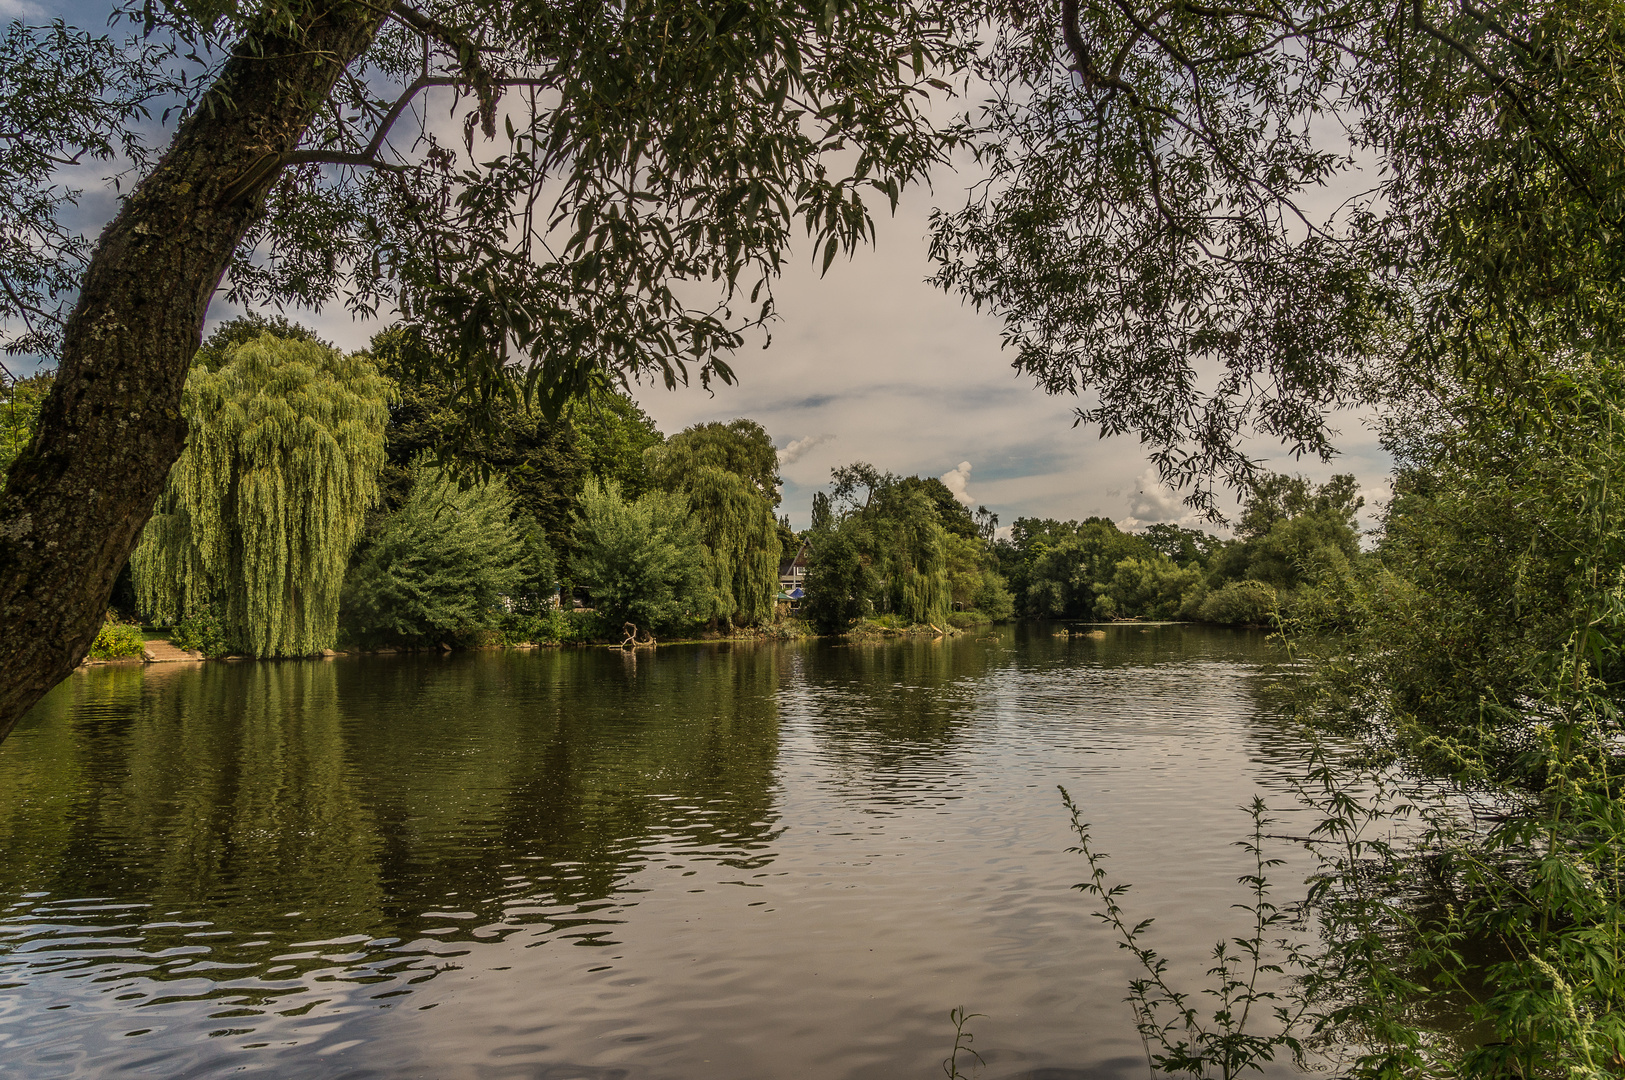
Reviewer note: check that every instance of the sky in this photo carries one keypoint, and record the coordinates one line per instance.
(870, 363)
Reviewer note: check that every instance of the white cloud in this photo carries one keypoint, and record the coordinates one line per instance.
(956, 480)
(1154, 501)
(795, 451)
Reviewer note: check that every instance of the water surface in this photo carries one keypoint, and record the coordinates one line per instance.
(709, 861)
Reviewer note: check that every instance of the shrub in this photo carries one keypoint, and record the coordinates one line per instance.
(549, 627)
(201, 631)
(586, 626)
(117, 640)
(1240, 603)
(434, 571)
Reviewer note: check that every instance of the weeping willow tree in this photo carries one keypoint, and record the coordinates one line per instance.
(268, 498)
(729, 475)
(879, 545)
(909, 551)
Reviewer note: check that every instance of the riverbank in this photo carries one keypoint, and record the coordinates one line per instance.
(158, 650)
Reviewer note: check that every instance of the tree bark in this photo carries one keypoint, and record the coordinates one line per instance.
(77, 498)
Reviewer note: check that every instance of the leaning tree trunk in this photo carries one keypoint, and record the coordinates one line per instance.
(78, 496)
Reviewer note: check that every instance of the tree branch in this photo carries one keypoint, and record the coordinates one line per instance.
(368, 158)
(1502, 84)
(475, 73)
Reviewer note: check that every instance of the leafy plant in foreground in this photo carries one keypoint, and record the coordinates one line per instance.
(1178, 1038)
(962, 1044)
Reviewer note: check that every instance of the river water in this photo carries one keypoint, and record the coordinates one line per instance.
(720, 862)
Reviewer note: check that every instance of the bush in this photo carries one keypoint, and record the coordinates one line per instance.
(550, 627)
(201, 631)
(994, 599)
(117, 640)
(1190, 605)
(585, 626)
(640, 558)
(1240, 603)
(436, 568)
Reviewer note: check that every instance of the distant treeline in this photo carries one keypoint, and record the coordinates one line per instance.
(903, 550)
(1294, 557)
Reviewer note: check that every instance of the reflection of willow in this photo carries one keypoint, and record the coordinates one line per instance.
(364, 795)
(543, 779)
(882, 706)
(248, 799)
(213, 794)
(41, 775)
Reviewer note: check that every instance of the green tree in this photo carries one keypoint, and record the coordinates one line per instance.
(823, 517)
(954, 515)
(1185, 546)
(728, 474)
(742, 447)
(902, 546)
(270, 495)
(789, 542)
(1293, 533)
(973, 578)
(1488, 664)
(245, 328)
(640, 558)
(838, 584)
(1144, 588)
(20, 401)
(1274, 497)
(1068, 560)
(622, 192)
(1502, 553)
(438, 568)
(540, 460)
(614, 436)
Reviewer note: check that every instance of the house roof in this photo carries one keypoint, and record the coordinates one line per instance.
(800, 560)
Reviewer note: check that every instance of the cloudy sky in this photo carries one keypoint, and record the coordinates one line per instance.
(869, 363)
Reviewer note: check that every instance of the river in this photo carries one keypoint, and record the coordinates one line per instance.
(730, 862)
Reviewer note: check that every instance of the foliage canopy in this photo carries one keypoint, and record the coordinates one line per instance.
(597, 159)
(1149, 230)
